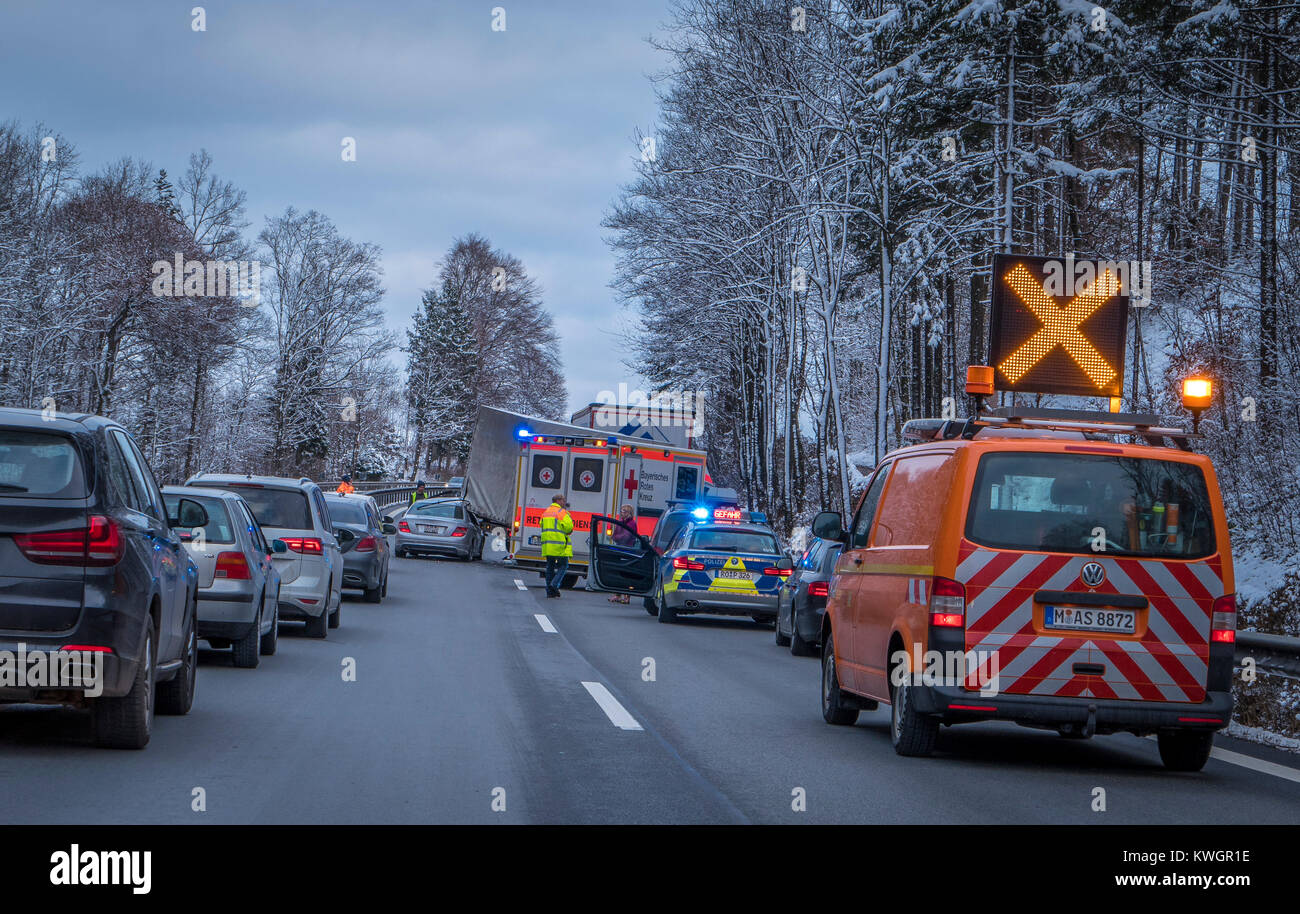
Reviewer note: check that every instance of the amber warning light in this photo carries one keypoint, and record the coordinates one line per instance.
(1197, 393)
(1058, 325)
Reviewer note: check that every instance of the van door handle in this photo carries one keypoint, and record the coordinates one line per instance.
(857, 560)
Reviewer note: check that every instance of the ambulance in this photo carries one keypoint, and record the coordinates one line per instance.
(518, 463)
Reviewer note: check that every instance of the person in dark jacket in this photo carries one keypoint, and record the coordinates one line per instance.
(624, 535)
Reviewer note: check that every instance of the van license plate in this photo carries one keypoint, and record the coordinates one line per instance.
(1077, 618)
(733, 573)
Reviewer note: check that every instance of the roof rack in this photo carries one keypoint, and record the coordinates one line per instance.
(1143, 425)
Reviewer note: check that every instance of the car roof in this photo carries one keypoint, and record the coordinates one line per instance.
(59, 421)
(201, 492)
(283, 482)
(1050, 443)
(741, 528)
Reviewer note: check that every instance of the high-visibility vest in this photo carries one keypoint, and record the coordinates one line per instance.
(416, 496)
(345, 488)
(556, 525)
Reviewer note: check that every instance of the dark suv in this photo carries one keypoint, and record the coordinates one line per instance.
(90, 565)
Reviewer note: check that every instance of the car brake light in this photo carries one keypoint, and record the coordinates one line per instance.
(947, 603)
(819, 589)
(307, 545)
(98, 544)
(685, 564)
(774, 570)
(1223, 624)
(87, 648)
(367, 544)
(404, 526)
(459, 531)
(232, 566)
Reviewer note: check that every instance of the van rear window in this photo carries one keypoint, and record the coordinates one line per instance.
(36, 463)
(1058, 502)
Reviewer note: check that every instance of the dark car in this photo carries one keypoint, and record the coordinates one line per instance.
(365, 552)
(90, 563)
(803, 598)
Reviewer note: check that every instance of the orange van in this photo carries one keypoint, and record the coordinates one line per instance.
(1035, 571)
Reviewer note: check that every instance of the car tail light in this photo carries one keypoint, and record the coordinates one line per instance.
(307, 545)
(87, 648)
(232, 566)
(460, 531)
(367, 544)
(98, 544)
(774, 570)
(404, 526)
(819, 589)
(947, 603)
(685, 564)
(1223, 625)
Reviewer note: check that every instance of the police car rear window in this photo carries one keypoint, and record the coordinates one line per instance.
(1092, 504)
(734, 541)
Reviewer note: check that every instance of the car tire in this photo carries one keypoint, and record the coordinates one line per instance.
(317, 626)
(402, 554)
(798, 646)
(271, 639)
(336, 617)
(834, 709)
(912, 733)
(650, 605)
(126, 722)
(374, 594)
(667, 614)
(247, 650)
(1185, 750)
(383, 590)
(176, 696)
(781, 640)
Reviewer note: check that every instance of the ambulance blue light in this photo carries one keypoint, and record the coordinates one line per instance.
(700, 513)
(523, 432)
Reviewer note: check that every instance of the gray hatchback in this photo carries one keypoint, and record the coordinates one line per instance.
(365, 551)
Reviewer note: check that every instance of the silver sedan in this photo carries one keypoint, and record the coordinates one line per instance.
(443, 526)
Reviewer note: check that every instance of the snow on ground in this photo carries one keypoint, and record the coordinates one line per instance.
(1267, 737)
(1258, 577)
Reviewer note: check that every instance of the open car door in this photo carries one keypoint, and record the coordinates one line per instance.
(619, 569)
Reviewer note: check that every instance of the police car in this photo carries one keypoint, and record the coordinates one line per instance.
(724, 561)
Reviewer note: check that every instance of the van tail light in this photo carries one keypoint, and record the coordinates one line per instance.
(232, 566)
(307, 545)
(1223, 625)
(367, 544)
(404, 526)
(947, 603)
(460, 531)
(684, 564)
(819, 589)
(98, 544)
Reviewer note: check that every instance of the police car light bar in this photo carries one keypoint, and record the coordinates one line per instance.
(700, 513)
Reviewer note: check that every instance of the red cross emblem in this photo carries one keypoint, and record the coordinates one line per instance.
(630, 484)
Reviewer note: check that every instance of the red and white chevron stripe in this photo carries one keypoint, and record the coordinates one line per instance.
(1166, 661)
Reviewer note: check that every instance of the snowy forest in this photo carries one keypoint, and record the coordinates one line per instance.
(809, 238)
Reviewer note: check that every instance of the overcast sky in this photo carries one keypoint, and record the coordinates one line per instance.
(523, 136)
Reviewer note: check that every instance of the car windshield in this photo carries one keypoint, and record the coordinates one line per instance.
(723, 540)
(1090, 503)
(35, 463)
(346, 512)
(218, 529)
(439, 509)
(285, 508)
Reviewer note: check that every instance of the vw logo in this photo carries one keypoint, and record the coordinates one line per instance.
(1093, 574)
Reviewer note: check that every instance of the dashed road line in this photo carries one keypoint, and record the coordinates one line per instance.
(617, 714)
(544, 622)
(520, 584)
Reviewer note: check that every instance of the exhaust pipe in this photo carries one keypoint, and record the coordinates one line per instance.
(692, 604)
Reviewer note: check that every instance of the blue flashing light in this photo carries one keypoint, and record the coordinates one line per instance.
(758, 517)
(700, 513)
(523, 432)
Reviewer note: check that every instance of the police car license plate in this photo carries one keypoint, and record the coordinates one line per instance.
(1120, 621)
(428, 528)
(733, 573)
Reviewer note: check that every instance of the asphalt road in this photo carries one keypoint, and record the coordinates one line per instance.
(462, 697)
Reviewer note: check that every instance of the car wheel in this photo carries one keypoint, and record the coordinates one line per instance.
(781, 640)
(667, 614)
(176, 696)
(402, 554)
(372, 595)
(246, 649)
(336, 617)
(834, 709)
(1185, 750)
(271, 638)
(798, 646)
(126, 722)
(383, 590)
(316, 626)
(650, 606)
(912, 733)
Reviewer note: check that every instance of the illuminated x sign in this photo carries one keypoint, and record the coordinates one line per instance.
(1058, 326)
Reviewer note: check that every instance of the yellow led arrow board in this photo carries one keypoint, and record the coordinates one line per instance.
(1058, 325)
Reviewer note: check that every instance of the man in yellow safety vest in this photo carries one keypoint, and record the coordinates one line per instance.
(557, 524)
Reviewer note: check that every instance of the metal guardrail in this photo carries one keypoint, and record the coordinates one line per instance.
(400, 496)
(1274, 653)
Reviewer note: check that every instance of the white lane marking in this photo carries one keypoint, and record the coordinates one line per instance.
(520, 584)
(617, 714)
(544, 622)
(1254, 764)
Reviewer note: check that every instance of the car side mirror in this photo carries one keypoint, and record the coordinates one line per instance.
(279, 546)
(389, 528)
(344, 535)
(829, 526)
(785, 564)
(387, 518)
(189, 514)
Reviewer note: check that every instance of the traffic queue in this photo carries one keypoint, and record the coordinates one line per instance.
(110, 580)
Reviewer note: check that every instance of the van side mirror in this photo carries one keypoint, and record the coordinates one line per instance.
(829, 526)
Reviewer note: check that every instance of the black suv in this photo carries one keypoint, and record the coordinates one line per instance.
(89, 563)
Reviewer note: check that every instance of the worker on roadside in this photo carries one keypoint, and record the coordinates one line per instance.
(346, 487)
(625, 535)
(419, 491)
(557, 525)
